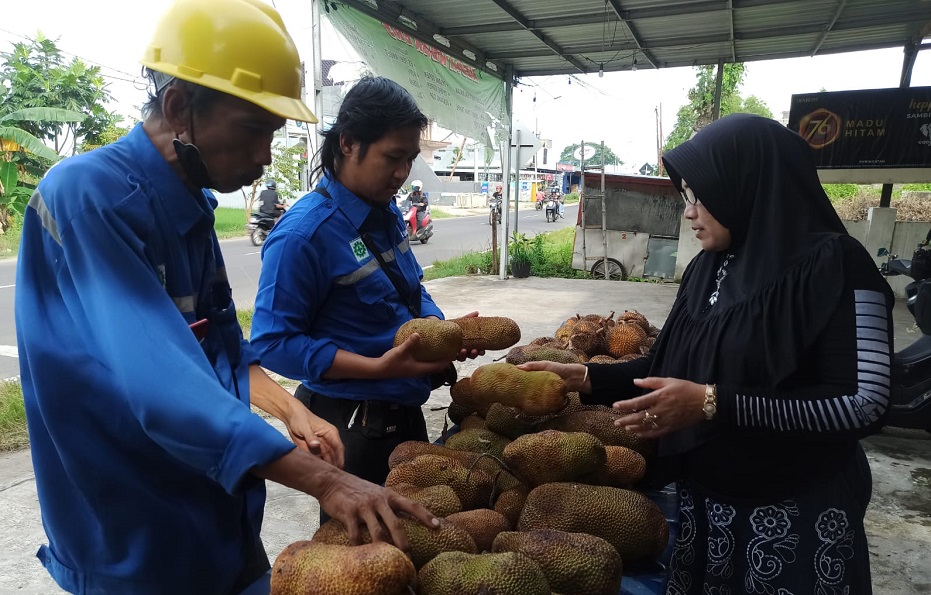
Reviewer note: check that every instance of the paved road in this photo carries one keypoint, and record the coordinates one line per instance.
(452, 237)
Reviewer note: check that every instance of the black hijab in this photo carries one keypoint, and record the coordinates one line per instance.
(784, 279)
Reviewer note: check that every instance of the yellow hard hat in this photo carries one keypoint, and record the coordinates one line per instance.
(238, 47)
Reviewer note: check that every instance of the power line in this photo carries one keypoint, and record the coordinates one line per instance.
(134, 79)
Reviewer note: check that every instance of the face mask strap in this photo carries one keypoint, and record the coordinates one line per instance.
(191, 162)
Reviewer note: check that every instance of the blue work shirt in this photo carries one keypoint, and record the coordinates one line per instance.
(321, 290)
(142, 437)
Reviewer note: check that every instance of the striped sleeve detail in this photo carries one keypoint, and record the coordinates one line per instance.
(847, 412)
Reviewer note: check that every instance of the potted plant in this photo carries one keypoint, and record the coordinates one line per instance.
(519, 250)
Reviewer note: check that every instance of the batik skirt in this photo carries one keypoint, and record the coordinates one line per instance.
(811, 544)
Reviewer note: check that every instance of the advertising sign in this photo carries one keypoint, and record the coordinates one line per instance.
(457, 95)
(869, 129)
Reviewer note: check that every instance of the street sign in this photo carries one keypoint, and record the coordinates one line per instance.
(590, 151)
(528, 147)
(647, 170)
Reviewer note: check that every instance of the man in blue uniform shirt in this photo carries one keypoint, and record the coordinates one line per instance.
(137, 381)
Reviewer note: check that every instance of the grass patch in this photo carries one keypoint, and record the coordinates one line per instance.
(13, 434)
(437, 213)
(550, 256)
(230, 223)
(9, 243)
(245, 321)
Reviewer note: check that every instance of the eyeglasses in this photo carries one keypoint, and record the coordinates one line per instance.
(688, 196)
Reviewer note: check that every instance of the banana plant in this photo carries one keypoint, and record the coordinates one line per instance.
(13, 194)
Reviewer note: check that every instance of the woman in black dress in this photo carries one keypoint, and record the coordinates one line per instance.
(772, 364)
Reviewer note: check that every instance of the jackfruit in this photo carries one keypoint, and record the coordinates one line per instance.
(543, 340)
(458, 412)
(624, 339)
(441, 500)
(425, 542)
(628, 520)
(313, 568)
(488, 332)
(473, 421)
(623, 468)
(410, 449)
(574, 563)
(483, 525)
(602, 359)
(510, 502)
(464, 395)
(507, 573)
(508, 421)
(534, 393)
(479, 441)
(474, 488)
(550, 455)
(440, 340)
(535, 353)
(599, 422)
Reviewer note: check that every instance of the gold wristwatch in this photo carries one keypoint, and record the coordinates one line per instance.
(710, 407)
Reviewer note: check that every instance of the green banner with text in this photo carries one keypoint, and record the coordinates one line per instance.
(457, 95)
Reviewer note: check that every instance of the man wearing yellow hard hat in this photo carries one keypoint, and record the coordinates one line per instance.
(136, 377)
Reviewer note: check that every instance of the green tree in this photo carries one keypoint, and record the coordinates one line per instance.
(36, 74)
(286, 169)
(112, 133)
(568, 156)
(698, 112)
(17, 178)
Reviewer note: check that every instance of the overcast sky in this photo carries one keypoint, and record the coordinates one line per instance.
(618, 108)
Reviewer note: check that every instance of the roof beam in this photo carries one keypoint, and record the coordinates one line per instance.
(389, 12)
(632, 14)
(730, 8)
(522, 20)
(840, 7)
(698, 40)
(620, 12)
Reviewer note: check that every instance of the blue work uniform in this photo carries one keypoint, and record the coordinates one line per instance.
(141, 433)
(321, 290)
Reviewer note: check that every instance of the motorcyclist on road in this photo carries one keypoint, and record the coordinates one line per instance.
(419, 199)
(271, 202)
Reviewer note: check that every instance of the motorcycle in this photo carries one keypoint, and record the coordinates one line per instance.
(494, 211)
(259, 225)
(421, 231)
(552, 210)
(538, 204)
(910, 397)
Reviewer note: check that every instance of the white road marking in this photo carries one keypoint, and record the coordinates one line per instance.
(9, 351)
(7, 286)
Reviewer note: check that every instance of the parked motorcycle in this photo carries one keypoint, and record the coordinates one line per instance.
(422, 230)
(911, 368)
(552, 209)
(494, 210)
(259, 225)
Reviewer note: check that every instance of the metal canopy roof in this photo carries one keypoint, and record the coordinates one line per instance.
(546, 37)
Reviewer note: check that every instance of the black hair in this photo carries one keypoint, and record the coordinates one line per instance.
(374, 107)
(200, 98)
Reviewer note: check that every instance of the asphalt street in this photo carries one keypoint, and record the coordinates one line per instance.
(452, 237)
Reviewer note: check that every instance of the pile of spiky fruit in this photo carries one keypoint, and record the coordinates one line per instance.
(591, 338)
(535, 495)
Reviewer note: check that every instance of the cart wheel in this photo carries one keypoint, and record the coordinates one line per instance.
(616, 270)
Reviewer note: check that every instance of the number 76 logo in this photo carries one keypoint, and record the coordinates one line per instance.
(820, 128)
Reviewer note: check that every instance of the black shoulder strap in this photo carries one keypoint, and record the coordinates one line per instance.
(376, 253)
